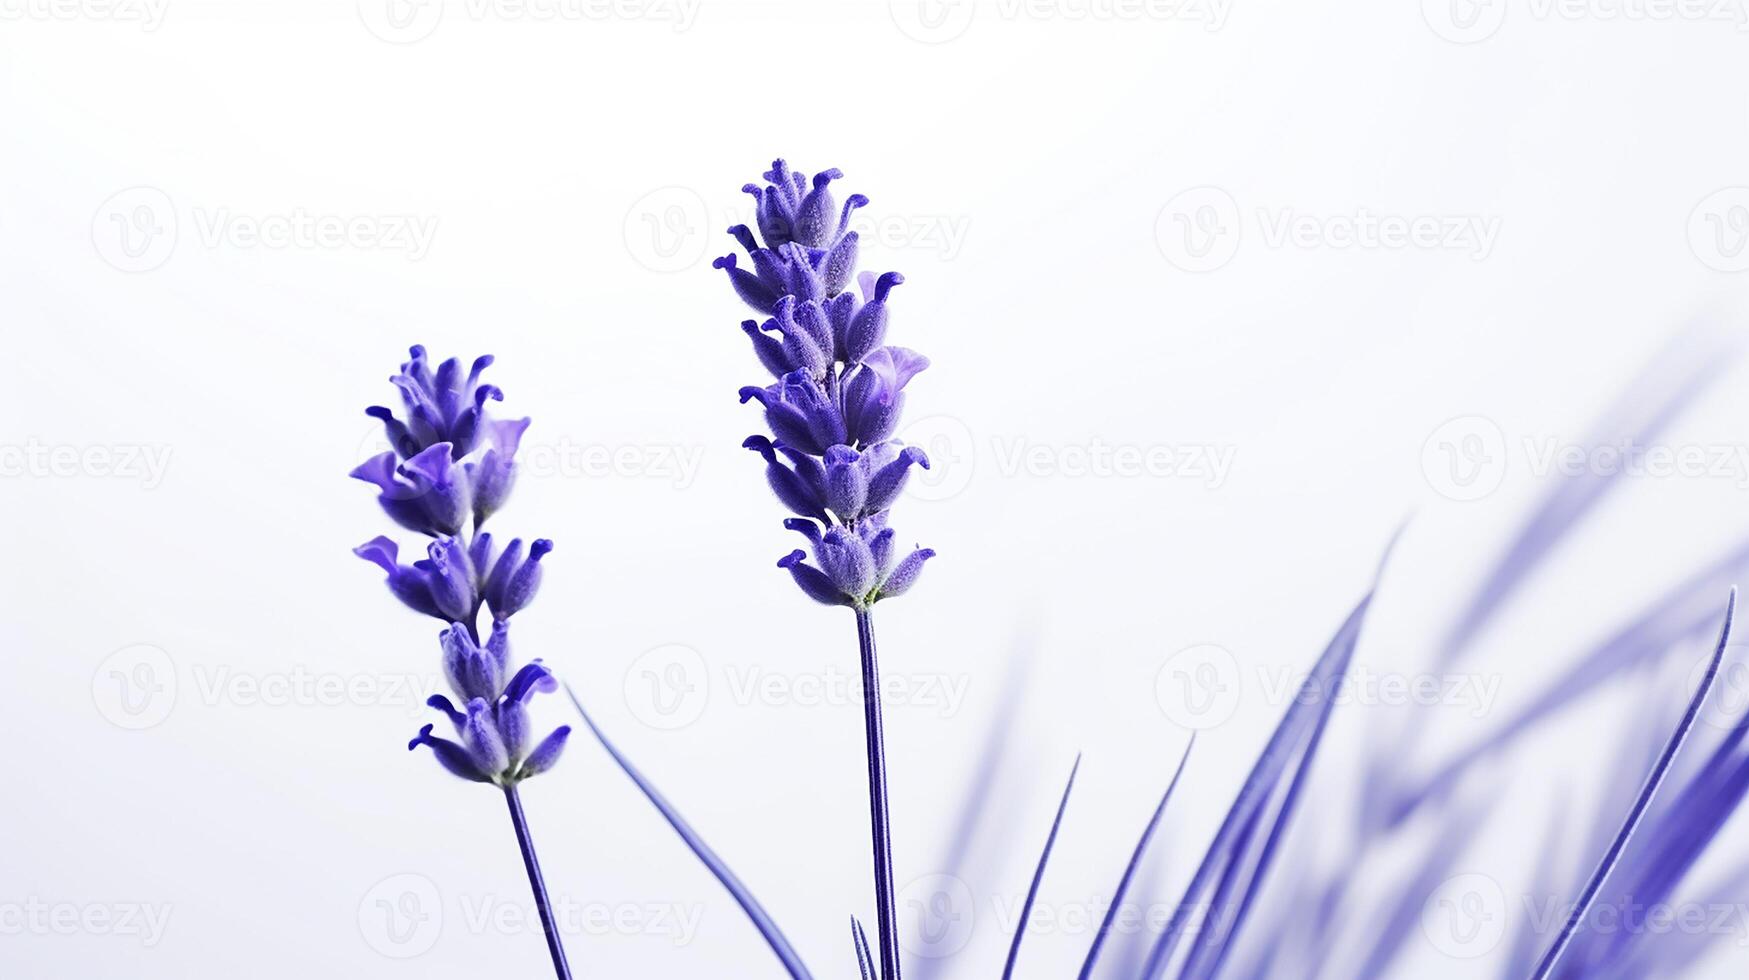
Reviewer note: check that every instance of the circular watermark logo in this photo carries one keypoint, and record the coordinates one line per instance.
(401, 21)
(952, 452)
(135, 687)
(1199, 229)
(932, 21)
(1464, 21)
(1198, 687)
(936, 915)
(401, 916)
(1728, 701)
(135, 229)
(1465, 458)
(667, 687)
(666, 230)
(1465, 917)
(1718, 230)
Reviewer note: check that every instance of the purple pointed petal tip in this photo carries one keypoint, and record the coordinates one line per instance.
(792, 558)
(381, 551)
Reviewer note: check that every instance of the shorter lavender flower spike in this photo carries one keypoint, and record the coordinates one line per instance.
(456, 759)
(546, 754)
(408, 584)
(513, 581)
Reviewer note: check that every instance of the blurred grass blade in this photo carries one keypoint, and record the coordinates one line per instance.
(1640, 412)
(1650, 790)
(737, 890)
(1129, 871)
(1294, 741)
(1039, 873)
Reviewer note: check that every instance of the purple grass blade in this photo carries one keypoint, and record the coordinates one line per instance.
(861, 941)
(1684, 611)
(737, 890)
(1643, 409)
(1129, 871)
(1038, 873)
(1671, 955)
(1459, 829)
(997, 738)
(1653, 781)
(1284, 747)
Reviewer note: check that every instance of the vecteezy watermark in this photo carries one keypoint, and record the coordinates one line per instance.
(142, 463)
(135, 687)
(148, 14)
(955, 452)
(409, 21)
(939, 21)
(1200, 230)
(672, 229)
(541, 456)
(138, 687)
(937, 914)
(1467, 458)
(138, 229)
(1718, 230)
(404, 915)
(1471, 21)
(1465, 917)
(141, 921)
(670, 686)
(401, 916)
(1200, 687)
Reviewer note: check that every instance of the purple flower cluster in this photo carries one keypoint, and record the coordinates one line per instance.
(839, 390)
(451, 468)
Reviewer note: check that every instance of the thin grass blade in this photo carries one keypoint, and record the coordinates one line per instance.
(1039, 873)
(1129, 871)
(1650, 790)
(761, 919)
(1286, 746)
(863, 962)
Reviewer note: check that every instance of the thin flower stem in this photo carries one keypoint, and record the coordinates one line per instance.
(885, 919)
(535, 881)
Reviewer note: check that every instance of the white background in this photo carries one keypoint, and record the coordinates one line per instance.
(1028, 168)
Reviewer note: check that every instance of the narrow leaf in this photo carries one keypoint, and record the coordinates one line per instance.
(1650, 790)
(1129, 871)
(737, 890)
(1039, 873)
(863, 961)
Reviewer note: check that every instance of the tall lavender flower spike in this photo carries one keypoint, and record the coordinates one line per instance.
(451, 467)
(832, 409)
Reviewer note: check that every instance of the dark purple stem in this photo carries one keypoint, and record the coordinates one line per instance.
(885, 919)
(539, 884)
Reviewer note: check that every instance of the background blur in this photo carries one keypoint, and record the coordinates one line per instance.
(1218, 294)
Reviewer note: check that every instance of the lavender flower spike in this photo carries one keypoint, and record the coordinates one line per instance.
(449, 469)
(833, 410)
